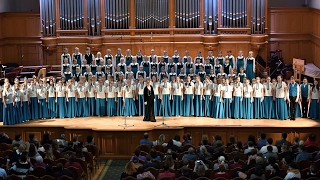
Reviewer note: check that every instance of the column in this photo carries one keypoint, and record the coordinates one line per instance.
(85, 14)
(201, 13)
(57, 15)
(172, 19)
(248, 13)
(102, 15)
(219, 14)
(132, 13)
(265, 16)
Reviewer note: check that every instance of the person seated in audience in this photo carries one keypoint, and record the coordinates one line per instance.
(313, 172)
(303, 155)
(217, 138)
(251, 138)
(184, 173)
(169, 161)
(286, 150)
(173, 147)
(150, 163)
(79, 154)
(142, 174)
(167, 173)
(221, 161)
(146, 140)
(16, 154)
(190, 155)
(317, 157)
(75, 140)
(90, 141)
(262, 140)
(22, 167)
(250, 147)
(62, 140)
(219, 147)
(17, 139)
(39, 162)
(235, 163)
(187, 140)
(136, 162)
(274, 171)
(258, 173)
(154, 155)
(203, 153)
(205, 137)
(160, 140)
(285, 163)
(176, 140)
(33, 153)
(270, 161)
(222, 173)
(62, 172)
(238, 147)
(49, 155)
(206, 145)
(4, 138)
(72, 162)
(137, 153)
(46, 139)
(270, 153)
(41, 148)
(33, 139)
(295, 141)
(312, 140)
(69, 147)
(184, 164)
(258, 159)
(232, 141)
(293, 171)
(49, 171)
(83, 148)
(200, 170)
(3, 172)
(284, 136)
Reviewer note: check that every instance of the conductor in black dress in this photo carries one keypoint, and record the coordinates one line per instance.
(148, 95)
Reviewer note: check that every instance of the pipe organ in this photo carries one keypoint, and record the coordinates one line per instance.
(151, 14)
(116, 14)
(136, 17)
(187, 13)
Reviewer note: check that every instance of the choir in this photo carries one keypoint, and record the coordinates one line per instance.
(217, 87)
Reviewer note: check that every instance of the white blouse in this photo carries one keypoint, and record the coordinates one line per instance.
(314, 93)
(198, 86)
(247, 91)
(24, 93)
(61, 91)
(51, 91)
(177, 89)
(111, 91)
(165, 87)
(81, 92)
(280, 90)
(140, 88)
(18, 95)
(257, 90)
(188, 88)
(237, 89)
(90, 90)
(267, 89)
(227, 91)
(101, 92)
(42, 92)
(217, 89)
(33, 91)
(207, 88)
(155, 86)
(128, 91)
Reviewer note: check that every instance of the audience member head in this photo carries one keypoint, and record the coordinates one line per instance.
(89, 139)
(235, 158)
(166, 167)
(153, 153)
(250, 144)
(72, 158)
(219, 143)
(312, 137)
(184, 170)
(239, 145)
(140, 170)
(274, 169)
(313, 169)
(62, 136)
(137, 152)
(203, 150)
(232, 139)
(185, 163)
(204, 137)
(272, 160)
(146, 135)
(218, 137)
(59, 166)
(17, 137)
(187, 137)
(284, 135)
(292, 166)
(169, 160)
(259, 170)
(296, 140)
(45, 137)
(176, 137)
(32, 150)
(254, 151)
(39, 159)
(75, 139)
(201, 171)
(170, 143)
(161, 139)
(285, 147)
(288, 159)
(301, 148)
(222, 168)
(135, 159)
(148, 157)
(49, 168)
(23, 158)
(269, 148)
(301, 143)
(191, 150)
(221, 160)
(259, 160)
(31, 137)
(22, 148)
(130, 168)
(263, 135)
(205, 142)
(252, 139)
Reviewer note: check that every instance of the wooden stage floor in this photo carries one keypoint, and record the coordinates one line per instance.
(111, 123)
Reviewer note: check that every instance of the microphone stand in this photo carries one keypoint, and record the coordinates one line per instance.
(162, 124)
(125, 125)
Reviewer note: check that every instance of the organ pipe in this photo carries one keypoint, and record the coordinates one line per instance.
(211, 14)
(116, 14)
(47, 15)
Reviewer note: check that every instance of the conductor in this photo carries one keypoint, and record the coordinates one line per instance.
(148, 95)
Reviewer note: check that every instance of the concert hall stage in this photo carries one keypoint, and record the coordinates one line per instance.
(117, 142)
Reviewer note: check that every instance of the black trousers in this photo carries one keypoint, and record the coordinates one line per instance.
(292, 106)
(304, 104)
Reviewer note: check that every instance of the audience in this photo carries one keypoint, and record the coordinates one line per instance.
(232, 141)
(154, 155)
(167, 173)
(4, 138)
(173, 147)
(16, 154)
(285, 163)
(62, 172)
(136, 162)
(270, 153)
(49, 171)
(142, 174)
(221, 161)
(137, 153)
(258, 173)
(22, 167)
(190, 155)
(203, 153)
(217, 138)
(200, 170)
(222, 173)
(317, 157)
(3, 172)
(33, 153)
(262, 141)
(146, 140)
(46, 139)
(176, 140)
(39, 162)
(33, 139)
(90, 141)
(72, 162)
(169, 161)
(250, 147)
(149, 163)
(17, 139)
(296, 141)
(160, 140)
(312, 140)
(303, 155)
(205, 137)
(206, 144)
(283, 139)
(235, 163)
(264, 149)
(313, 172)
(184, 173)
(293, 172)
(187, 140)
(62, 140)
(238, 147)
(251, 138)
(274, 171)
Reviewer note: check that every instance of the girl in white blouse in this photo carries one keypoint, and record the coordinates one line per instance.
(61, 106)
(42, 100)
(165, 94)
(25, 103)
(227, 98)
(90, 105)
(280, 98)
(17, 106)
(177, 91)
(258, 97)
(155, 85)
(101, 98)
(111, 99)
(188, 97)
(207, 92)
(81, 99)
(237, 108)
(247, 100)
(314, 101)
(128, 94)
(198, 96)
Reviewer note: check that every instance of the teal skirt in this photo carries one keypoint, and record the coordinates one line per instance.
(165, 108)
(247, 108)
(177, 107)
(111, 107)
(281, 109)
(268, 107)
(198, 108)
(188, 105)
(237, 109)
